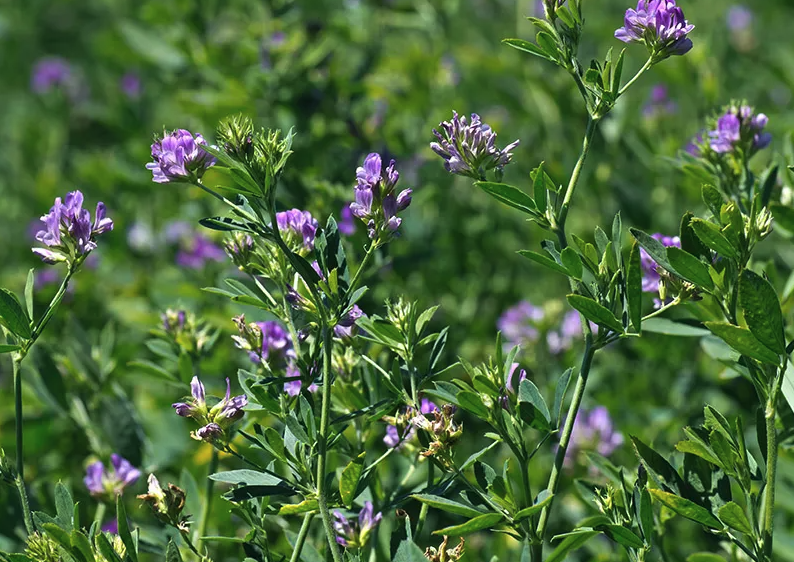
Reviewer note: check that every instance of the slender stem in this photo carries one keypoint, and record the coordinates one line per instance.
(53, 306)
(322, 444)
(99, 516)
(675, 302)
(423, 512)
(209, 496)
(362, 267)
(768, 521)
(559, 221)
(565, 440)
(20, 463)
(301, 540)
(640, 72)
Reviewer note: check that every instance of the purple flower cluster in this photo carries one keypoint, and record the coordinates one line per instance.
(398, 438)
(519, 323)
(347, 223)
(347, 325)
(660, 25)
(570, 329)
(109, 483)
(196, 252)
(469, 149)
(293, 388)
(651, 277)
(276, 343)
(740, 127)
(50, 72)
(352, 535)
(739, 18)
(659, 102)
(69, 232)
(593, 430)
(214, 421)
(375, 201)
(178, 156)
(298, 228)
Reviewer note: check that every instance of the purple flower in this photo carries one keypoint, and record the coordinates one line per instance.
(68, 231)
(593, 430)
(693, 148)
(650, 277)
(739, 18)
(739, 126)
(375, 201)
(660, 25)
(130, 84)
(107, 484)
(111, 527)
(518, 323)
(49, 73)
(276, 343)
(570, 329)
(393, 437)
(293, 388)
(352, 535)
(346, 326)
(298, 228)
(178, 156)
(198, 406)
(215, 422)
(427, 407)
(510, 385)
(230, 409)
(196, 253)
(659, 102)
(469, 149)
(347, 223)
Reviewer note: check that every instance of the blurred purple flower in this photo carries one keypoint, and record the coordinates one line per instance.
(469, 149)
(660, 25)
(195, 253)
(108, 483)
(276, 343)
(570, 329)
(69, 232)
(739, 125)
(347, 223)
(140, 237)
(178, 156)
(349, 535)
(739, 18)
(111, 527)
(49, 73)
(130, 84)
(659, 102)
(650, 277)
(593, 430)
(518, 323)
(693, 147)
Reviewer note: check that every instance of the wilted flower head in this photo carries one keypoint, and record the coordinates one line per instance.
(593, 430)
(167, 504)
(469, 149)
(519, 323)
(660, 25)
(443, 553)
(355, 535)
(109, 483)
(298, 228)
(650, 276)
(68, 231)
(216, 420)
(402, 429)
(49, 73)
(740, 128)
(375, 201)
(443, 432)
(178, 156)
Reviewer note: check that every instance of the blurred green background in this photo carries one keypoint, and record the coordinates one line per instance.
(351, 77)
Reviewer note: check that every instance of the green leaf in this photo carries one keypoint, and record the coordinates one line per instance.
(657, 466)
(172, 552)
(572, 262)
(712, 198)
(528, 47)
(668, 327)
(621, 535)
(479, 523)
(447, 505)
(761, 307)
(571, 541)
(81, 544)
(710, 234)
(12, 316)
(245, 476)
(151, 46)
(105, 549)
(559, 396)
(409, 552)
(532, 406)
(348, 482)
(787, 388)
(7, 348)
(64, 506)
(544, 498)
(544, 261)
(471, 402)
(784, 216)
(689, 240)
(743, 341)
(704, 557)
(509, 195)
(59, 535)
(688, 267)
(297, 508)
(29, 292)
(634, 287)
(698, 449)
(734, 517)
(655, 249)
(124, 530)
(539, 189)
(594, 312)
(688, 509)
(646, 515)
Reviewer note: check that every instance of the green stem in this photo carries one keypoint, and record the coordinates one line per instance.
(53, 306)
(322, 444)
(768, 521)
(99, 516)
(675, 302)
(423, 511)
(362, 267)
(301, 540)
(640, 72)
(20, 463)
(565, 440)
(559, 220)
(209, 496)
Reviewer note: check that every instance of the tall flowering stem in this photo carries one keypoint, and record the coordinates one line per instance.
(20, 464)
(770, 414)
